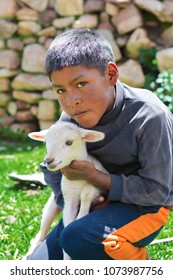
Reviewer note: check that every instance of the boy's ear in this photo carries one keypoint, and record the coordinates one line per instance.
(39, 136)
(112, 73)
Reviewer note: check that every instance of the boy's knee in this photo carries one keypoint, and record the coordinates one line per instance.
(71, 239)
(79, 242)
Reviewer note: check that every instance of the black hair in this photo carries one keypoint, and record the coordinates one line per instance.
(79, 46)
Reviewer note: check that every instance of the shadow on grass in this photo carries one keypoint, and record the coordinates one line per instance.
(26, 186)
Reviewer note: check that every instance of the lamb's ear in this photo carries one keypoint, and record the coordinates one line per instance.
(92, 135)
(39, 136)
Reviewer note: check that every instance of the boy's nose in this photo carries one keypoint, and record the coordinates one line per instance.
(74, 100)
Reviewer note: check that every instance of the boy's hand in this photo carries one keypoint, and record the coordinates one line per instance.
(81, 170)
(99, 202)
(84, 170)
(78, 170)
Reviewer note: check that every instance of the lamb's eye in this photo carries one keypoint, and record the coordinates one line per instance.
(69, 142)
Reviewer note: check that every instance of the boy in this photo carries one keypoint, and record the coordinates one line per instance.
(136, 151)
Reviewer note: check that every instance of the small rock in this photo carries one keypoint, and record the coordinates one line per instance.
(73, 8)
(131, 73)
(61, 23)
(86, 21)
(164, 58)
(127, 19)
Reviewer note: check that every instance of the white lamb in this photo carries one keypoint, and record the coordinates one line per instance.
(66, 142)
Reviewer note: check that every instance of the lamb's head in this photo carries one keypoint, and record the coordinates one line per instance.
(65, 142)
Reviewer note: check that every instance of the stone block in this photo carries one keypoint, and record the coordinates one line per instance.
(127, 19)
(131, 73)
(8, 9)
(33, 60)
(72, 8)
(165, 59)
(31, 82)
(9, 59)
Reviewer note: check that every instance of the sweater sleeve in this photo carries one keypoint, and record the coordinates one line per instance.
(152, 184)
(54, 180)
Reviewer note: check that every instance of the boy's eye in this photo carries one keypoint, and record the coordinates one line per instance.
(81, 84)
(59, 90)
(69, 142)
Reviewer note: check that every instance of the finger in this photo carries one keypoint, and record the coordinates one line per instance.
(62, 171)
(101, 198)
(74, 164)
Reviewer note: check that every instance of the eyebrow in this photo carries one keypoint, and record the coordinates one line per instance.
(72, 81)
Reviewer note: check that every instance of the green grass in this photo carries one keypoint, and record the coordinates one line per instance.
(22, 205)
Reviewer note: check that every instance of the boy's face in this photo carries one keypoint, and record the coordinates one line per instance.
(84, 94)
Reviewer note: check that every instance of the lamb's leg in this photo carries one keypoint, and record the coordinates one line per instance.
(69, 215)
(50, 211)
(87, 196)
(66, 257)
(70, 210)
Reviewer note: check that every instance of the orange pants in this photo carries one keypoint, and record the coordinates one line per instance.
(118, 245)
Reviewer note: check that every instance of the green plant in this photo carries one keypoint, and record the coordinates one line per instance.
(7, 133)
(163, 88)
(148, 61)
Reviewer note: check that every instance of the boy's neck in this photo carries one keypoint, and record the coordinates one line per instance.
(113, 93)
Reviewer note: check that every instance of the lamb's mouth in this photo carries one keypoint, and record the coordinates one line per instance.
(54, 166)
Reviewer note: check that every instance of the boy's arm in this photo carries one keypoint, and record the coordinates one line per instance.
(152, 185)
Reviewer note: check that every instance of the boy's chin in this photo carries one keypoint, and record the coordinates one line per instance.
(87, 124)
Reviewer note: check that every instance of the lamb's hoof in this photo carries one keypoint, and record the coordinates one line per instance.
(66, 257)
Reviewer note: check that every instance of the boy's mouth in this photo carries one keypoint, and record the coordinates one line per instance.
(80, 114)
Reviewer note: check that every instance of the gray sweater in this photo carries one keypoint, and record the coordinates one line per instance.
(137, 149)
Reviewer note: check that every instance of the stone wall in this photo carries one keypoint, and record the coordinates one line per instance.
(27, 28)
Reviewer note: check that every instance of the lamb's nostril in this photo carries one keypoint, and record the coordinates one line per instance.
(49, 160)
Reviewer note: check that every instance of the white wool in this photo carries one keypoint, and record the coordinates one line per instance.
(66, 142)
